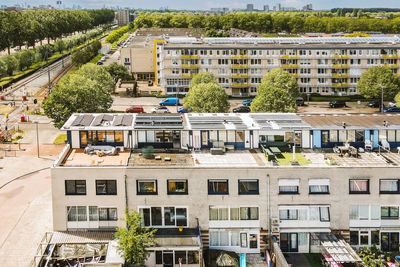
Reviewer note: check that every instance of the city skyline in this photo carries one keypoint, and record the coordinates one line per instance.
(206, 5)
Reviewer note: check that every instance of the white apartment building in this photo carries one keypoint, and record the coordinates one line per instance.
(235, 201)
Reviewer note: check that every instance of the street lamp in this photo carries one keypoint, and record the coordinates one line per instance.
(382, 96)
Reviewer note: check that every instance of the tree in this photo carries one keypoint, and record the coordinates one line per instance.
(133, 240)
(276, 93)
(11, 64)
(25, 59)
(207, 97)
(370, 257)
(76, 93)
(99, 74)
(118, 72)
(396, 98)
(203, 77)
(371, 83)
(3, 69)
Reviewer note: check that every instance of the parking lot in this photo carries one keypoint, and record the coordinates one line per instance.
(122, 103)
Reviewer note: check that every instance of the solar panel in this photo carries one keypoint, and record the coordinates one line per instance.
(87, 120)
(118, 120)
(77, 121)
(127, 120)
(97, 121)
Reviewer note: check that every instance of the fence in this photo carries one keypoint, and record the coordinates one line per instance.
(280, 260)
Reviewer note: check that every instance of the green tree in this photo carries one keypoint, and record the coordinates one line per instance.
(11, 64)
(25, 59)
(99, 74)
(276, 93)
(118, 72)
(203, 77)
(370, 257)
(60, 46)
(207, 97)
(396, 98)
(3, 69)
(133, 240)
(371, 83)
(76, 93)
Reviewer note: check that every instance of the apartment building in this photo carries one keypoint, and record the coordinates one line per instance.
(122, 17)
(235, 200)
(326, 66)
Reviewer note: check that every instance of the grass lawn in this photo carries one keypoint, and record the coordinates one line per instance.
(314, 259)
(60, 139)
(288, 157)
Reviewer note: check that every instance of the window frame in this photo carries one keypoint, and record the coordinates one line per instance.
(389, 212)
(146, 193)
(218, 193)
(389, 192)
(74, 194)
(177, 193)
(360, 192)
(107, 188)
(257, 192)
(321, 184)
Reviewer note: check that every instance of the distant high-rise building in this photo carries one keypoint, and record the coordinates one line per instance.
(123, 16)
(266, 8)
(279, 8)
(250, 7)
(307, 7)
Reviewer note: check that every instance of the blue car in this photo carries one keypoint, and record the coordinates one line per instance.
(393, 109)
(184, 110)
(170, 101)
(247, 102)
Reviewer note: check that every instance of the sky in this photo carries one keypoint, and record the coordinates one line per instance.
(207, 4)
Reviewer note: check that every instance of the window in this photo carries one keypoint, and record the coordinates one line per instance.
(177, 187)
(163, 216)
(218, 213)
(219, 238)
(75, 187)
(76, 213)
(318, 186)
(288, 214)
(108, 214)
(180, 257)
(324, 214)
(354, 238)
(389, 186)
(146, 187)
(288, 186)
(389, 213)
(106, 187)
(193, 257)
(249, 213)
(218, 187)
(359, 186)
(93, 213)
(247, 187)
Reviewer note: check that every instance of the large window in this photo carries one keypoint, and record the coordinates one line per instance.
(248, 187)
(218, 187)
(233, 213)
(108, 214)
(359, 186)
(304, 213)
(318, 186)
(177, 187)
(106, 187)
(249, 213)
(389, 186)
(364, 212)
(75, 187)
(389, 213)
(164, 216)
(288, 186)
(76, 213)
(146, 187)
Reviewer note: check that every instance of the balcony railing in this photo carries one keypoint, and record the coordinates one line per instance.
(240, 56)
(340, 84)
(290, 66)
(190, 56)
(338, 66)
(340, 75)
(240, 85)
(289, 57)
(390, 56)
(391, 65)
(240, 66)
(340, 56)
(240, 75)
(190, 66)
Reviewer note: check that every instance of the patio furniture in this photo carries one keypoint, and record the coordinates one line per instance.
(368, 145)
(275, 150)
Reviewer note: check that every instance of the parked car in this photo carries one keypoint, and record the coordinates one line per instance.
(184, 110)
(247, 102)
(169, 101)
(242, 109)
(374, 104)
(392, 109)
(337, 104)
(103, 58)
(160, 109)
(299, 101)
(99, 63)
(392, 104)
(135, 109)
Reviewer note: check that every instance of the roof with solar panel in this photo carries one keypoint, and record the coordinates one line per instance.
(99, 121)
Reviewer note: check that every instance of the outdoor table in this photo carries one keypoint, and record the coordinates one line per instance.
(275, 150)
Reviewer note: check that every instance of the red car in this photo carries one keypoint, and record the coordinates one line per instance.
(135, 109)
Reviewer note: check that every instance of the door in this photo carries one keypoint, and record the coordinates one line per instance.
(204, 139)
(297, 138)
(289, 242)
(390, 241)
(324, 138)
(168, 259)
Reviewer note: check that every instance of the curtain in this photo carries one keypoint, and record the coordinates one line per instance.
(213, 213)
(389, 185)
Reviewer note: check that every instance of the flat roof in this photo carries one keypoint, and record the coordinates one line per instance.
(233, 121)
(77, 157)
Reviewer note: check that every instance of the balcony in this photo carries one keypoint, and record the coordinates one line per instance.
(240, 56)
(290, 66)
(294, 75)
(340, 84)
(240, 75)
(340, 75)
(290, 57)
(391, 65)
(188, 75)
(239, 66)
(340, 66)
(190, 66)
(340, 56)
(390, 56)
(240, 85)
(192, 56)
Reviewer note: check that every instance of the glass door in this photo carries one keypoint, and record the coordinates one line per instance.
(324, 138)
(289, 242)
(294, 245)
(168, 259)
(243, 240)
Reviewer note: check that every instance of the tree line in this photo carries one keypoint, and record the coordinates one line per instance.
(269, 23)
(29, 26)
